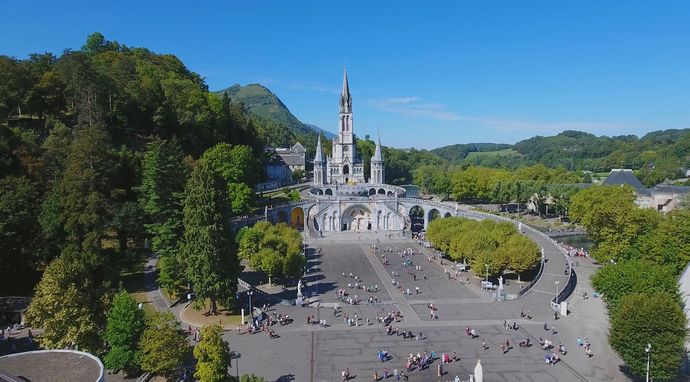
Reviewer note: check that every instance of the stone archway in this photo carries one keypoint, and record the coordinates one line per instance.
(433, 214)
(297, 218)
(329, 191)
(356, 218)
(447, 215)
(416, 214)
(372, 191)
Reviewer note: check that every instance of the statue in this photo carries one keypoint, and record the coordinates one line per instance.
(299, 288)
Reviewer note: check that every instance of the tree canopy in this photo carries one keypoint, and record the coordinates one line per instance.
(211, 263)
(212, 358)
(497, 245)
(125, 324)
(655, 319)
(275, 249)
(163, 346)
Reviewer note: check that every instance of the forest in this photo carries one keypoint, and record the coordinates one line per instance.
(655, 157)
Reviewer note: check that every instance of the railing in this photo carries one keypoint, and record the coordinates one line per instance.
(523, 291)
(570, 284)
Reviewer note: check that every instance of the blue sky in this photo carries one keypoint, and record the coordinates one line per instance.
(424, 74)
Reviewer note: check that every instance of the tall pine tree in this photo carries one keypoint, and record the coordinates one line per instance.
(211, 262)
(84, 190)
(164, 175)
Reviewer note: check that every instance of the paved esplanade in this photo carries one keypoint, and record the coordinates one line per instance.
(314, 353)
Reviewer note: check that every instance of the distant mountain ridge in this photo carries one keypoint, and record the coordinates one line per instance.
(260, 101)
(656, 156)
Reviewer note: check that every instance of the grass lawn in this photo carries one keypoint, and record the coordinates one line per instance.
(142, 297)
(498, 153)
(133, 278)
(227, 319)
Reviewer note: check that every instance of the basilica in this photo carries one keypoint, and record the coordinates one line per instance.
(347, 201)
(344, 166)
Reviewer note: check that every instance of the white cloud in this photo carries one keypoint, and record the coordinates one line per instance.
(541, 127)
(413, 107)
(313, 86)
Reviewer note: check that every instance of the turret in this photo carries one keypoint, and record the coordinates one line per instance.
(319, 165)
(377, 171)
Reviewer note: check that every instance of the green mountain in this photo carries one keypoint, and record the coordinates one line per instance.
(656, 156)
(260, 101)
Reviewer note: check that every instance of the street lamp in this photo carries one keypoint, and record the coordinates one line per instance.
(648, 350)
(557, 282)
(487, 272)
(251, 315)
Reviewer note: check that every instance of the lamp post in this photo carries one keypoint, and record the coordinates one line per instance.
(648, 350)
(251, 314)
(557, 282)
(487, 271)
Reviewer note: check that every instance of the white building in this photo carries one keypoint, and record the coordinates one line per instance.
(348, 201)
(344, 166)
(662, 197)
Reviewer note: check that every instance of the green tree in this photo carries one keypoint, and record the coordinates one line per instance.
(96, 43)
(269, 261)
(122, 332)
(298, 174)
(667, 244)
(236, 164)
(521, 253)
(251, 378)
(19, 228)
(163, 347)
(84, 190)
(240, 169)
(634, 276)
(242, 197)
(656, 319)
(274, 249)
(484, 243)
(212, 264)
(164, 175)
(69, 304)
(611, 218)
(14, 85)
(212, 355)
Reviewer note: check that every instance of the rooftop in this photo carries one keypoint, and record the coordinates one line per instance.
(619, 177)
(55, 366)
(14, 304)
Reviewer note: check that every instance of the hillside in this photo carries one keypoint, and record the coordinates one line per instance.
(458, 152)
(260, 101)
(657, 156)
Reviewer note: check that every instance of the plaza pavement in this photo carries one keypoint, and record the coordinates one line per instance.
(312, 353)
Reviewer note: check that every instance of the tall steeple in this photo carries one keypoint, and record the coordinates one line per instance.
(345, 99)
(319, 165)
(377, 152)
(318, 158)
(378, 174)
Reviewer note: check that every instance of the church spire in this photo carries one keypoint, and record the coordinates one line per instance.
(377, 152)
(318, 158)
(345, 99)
